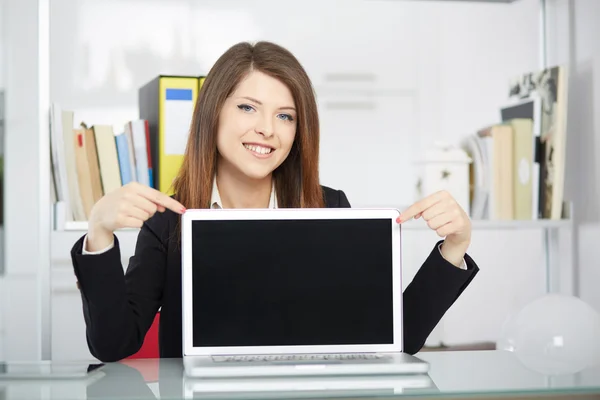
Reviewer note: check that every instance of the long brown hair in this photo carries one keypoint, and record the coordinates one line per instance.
(297, 178)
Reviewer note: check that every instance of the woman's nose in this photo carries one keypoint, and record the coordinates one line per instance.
(265, 127)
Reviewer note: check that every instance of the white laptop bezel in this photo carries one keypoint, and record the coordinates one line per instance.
(276, 214)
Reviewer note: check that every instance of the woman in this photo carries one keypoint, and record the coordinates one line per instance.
(254, 143)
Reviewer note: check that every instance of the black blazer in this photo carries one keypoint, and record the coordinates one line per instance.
(119, 308)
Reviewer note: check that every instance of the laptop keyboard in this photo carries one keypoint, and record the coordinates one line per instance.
(299, 357)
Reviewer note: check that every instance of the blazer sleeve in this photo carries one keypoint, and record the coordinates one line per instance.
(119, 308)
(433, 290)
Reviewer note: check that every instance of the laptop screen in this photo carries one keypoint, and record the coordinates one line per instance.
(292, 282)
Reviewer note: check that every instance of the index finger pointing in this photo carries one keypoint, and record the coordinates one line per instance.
(411, 211)
(161, 199)
(420, 206)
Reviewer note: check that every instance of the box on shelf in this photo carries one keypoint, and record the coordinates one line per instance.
(444, 167)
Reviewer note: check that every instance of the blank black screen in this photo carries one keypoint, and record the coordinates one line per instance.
(292, 282)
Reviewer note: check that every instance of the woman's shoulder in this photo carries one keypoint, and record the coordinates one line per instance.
(335, 198)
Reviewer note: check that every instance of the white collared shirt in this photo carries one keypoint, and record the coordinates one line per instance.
(216, 203)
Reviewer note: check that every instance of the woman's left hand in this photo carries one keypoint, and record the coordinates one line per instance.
(443, 214)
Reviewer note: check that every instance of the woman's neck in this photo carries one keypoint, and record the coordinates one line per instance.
(239, 192)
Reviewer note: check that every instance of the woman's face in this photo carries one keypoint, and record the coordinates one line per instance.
(257, 126)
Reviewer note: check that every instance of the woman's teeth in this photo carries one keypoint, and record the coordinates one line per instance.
(258, 149)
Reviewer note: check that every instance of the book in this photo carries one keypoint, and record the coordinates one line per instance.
(124, 157)
(550, 85)
(108, 159)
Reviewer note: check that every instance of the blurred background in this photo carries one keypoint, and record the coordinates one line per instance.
(409, 92)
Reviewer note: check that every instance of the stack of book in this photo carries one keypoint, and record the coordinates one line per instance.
(88, 162)
(518, 163)
(91, 161)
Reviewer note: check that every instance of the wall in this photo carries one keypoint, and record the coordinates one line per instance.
(391, 78)
(2, 44)
(26, 210)
(26, 182)
(2, 49)
(573, 33)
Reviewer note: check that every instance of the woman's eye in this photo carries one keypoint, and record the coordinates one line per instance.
(245, 107)
(286, 117)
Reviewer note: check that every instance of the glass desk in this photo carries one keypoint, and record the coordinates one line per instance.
(468, 374)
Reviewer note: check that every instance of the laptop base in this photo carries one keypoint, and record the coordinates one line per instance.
(388, 363)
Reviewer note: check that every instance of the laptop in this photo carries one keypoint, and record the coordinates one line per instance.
(293, 292)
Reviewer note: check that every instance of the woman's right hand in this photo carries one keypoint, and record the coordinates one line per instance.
(126, 207)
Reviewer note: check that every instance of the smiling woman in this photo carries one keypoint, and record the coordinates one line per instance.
(267, 131)
(253, 143)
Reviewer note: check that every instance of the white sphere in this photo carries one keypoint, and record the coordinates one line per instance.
(555, 334)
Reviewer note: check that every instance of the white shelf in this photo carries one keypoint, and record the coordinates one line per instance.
(82, 226)
(500, 224)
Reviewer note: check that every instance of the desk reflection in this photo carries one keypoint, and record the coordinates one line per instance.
(165, 378)
(460, 374)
